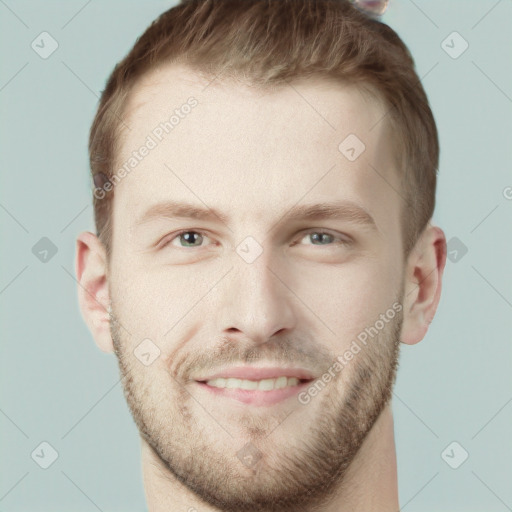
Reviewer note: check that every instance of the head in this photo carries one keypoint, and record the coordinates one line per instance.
(264, 180)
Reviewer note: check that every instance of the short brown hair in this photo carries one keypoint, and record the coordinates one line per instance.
(273, 42)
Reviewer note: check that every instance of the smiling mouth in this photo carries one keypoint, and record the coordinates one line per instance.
(264, 392)
(255, 385)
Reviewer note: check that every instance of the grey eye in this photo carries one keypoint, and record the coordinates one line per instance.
(319, 238)
(324, 238)
(190, 238)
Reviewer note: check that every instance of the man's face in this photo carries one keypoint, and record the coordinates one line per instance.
(258, 289)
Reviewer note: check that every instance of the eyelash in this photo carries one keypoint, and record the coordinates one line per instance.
(342, 241)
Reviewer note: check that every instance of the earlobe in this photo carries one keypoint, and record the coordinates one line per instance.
(93, 288)
(423, 281)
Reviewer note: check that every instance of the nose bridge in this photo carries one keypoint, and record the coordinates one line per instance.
(258, 303)
(259, 280)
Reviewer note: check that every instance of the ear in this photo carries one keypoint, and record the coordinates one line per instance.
(93, 292)
(424, 272)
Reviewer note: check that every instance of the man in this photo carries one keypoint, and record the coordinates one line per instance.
(265, 177)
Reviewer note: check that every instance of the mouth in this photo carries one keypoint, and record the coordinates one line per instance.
(256, 386)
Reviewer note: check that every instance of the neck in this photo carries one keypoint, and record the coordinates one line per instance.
(370, 483)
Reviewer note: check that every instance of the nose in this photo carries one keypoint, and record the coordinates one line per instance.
(255, 302)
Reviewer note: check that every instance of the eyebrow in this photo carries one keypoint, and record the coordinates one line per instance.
(343, 210)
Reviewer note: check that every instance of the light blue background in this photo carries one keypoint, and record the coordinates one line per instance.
(56, 386)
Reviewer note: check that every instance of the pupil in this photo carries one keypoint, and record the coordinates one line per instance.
(189, 237)
(317, 236)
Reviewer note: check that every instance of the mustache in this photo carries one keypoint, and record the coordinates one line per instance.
(283, 351)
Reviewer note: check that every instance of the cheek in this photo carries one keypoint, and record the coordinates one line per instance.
(150, 301)
(348, 299)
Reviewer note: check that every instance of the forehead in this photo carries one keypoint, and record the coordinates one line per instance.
(165, 89)
(253, 150)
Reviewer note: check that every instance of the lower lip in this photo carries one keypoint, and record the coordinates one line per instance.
(256, 397)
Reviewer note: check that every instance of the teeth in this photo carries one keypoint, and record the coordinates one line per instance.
(260, 385)
(248, 384)
(266, 385)
(232, 383)
(281, 382)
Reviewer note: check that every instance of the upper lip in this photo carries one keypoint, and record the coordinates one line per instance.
(255, 373)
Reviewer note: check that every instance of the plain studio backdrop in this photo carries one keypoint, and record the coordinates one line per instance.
(453, 398)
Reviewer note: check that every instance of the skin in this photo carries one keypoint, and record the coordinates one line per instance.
(302, 302)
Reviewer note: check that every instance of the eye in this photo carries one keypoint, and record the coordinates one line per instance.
(189, 238)
(186, 238)
(324, 238)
